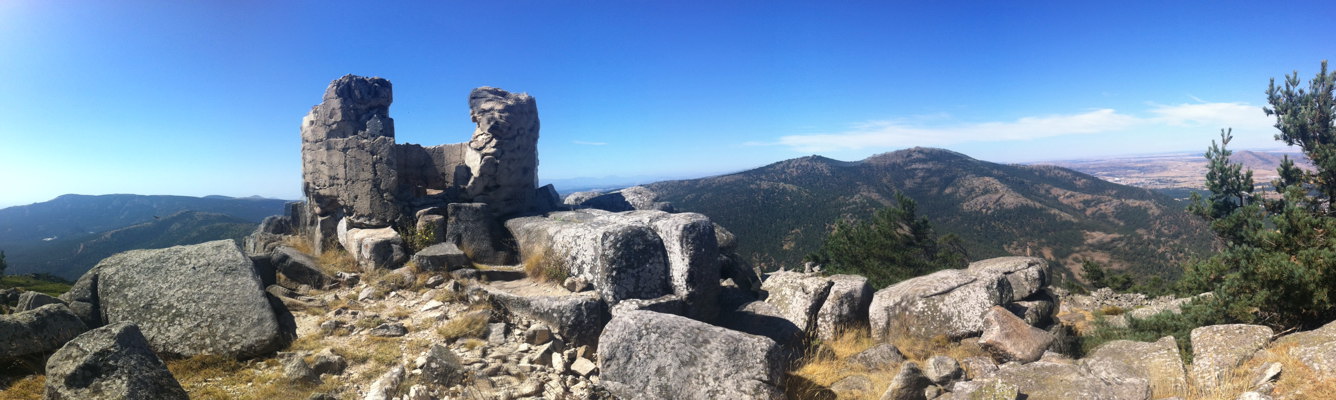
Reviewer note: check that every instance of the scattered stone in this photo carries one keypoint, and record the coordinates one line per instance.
(112, 362)
(908, 384)
(941, 370)
(1217, 349)
(384, 387)
(373, 248)
(649, 355)
(1049, 380)
(326, 362)
(442, 366)
(879, 357)
(852, 386)
(576, 284)
(390, 329)
(296, 369)
(431, 305)
(496, 333)
(537, 334)
(1008, 338)
(583, 366)
(435, 281)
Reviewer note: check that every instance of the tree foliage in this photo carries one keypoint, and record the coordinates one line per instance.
(896, 244)
(3, 265)
(1279, 263)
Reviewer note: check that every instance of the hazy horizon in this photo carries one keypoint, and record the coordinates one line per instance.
(206, 98)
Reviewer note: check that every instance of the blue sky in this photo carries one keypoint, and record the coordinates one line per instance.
(206, 97)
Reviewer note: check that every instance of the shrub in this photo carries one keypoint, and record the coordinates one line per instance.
(896, 244)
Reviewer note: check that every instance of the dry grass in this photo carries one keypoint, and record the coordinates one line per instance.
(1297, 380)
(473, 324)
(543, 266)
(214, 377)
(30, 387)
(336, 260)
(825, 368)
(1111, 310)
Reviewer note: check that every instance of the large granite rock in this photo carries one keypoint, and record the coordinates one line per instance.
(845, 307)
(1009, 338)
(691, 245)
(1026, 275)
(622, 258)
(907, 384)
(373, 248)
(30, 300)
(1316, 349)
(947, 302)
(649, 355)
(441, 257)
(299, 267)
(112, 362)
(38, 331)
(472, 227)
(1045, 380)
(504, 149)
(1157, 362)
(82, 299)
(765, 319)
(579, 317)
(629, 199)
(798, 296)
(348, 153)
(1217, 349)
(188, 300)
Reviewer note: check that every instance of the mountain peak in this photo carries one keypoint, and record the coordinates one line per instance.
(916, 154)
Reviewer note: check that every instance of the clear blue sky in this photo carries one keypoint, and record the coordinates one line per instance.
(206, 97)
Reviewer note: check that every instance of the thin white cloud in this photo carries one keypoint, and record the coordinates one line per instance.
(891, 134)
(581, 142)
(922, 132)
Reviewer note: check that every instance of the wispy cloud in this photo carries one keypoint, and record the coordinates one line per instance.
(932, 132)
(581, 142)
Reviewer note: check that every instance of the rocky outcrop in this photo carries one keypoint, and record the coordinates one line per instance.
(1057, 380)
(1157, 362)
(623, 259)
(188, 300)
(797, 296)
(1217, 349)
(845, 307)
(948, 302)
(579, 317)
(503, 154)
(112, 362)
(441, 257)
(908, 383)
(1025, 275)
(348, 154)
(649, 355)
(82, 299)
(629, 199)
(31, 300)
(1316, 349)
(692, 248)
(38, 331)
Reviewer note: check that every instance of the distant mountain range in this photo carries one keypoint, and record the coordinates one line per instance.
(68, 235)
(784, 210)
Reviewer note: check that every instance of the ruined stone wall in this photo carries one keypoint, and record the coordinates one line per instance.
(353, 169)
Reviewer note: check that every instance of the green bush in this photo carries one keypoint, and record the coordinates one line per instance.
(896, 244)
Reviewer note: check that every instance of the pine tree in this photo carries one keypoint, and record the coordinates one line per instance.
(896, 244)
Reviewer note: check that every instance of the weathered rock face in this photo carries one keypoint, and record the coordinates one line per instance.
(348, 155)
(1217, 349)
(82, 299)
(441, 257)
(1054, 380)
(1157, 362)
(1315, 348)
(373, 248)
(111, 362)
(1026, 275)
(948, 302)
(629, 199)
(621, 258)
(299, 267)
(31, 300)
(798, 296)
(474, 229)
(579, 317)
(188, 300)
(504, 149)
(1009, 338)
(690, 243)
(38, 331)
(649, 355)
(845, 307)
(908, 384)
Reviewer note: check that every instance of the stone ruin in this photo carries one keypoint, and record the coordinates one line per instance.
(353, 171)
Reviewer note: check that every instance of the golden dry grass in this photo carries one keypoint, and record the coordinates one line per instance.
(543, 266)
(213, 377)
(467, 325)
(30, 387)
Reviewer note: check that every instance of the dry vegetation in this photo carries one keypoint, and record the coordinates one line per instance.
(823, 368)
(541, 265)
